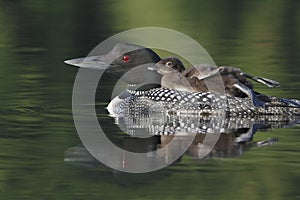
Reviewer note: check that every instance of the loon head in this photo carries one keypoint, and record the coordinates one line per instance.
(172, 69)
(121, 59)
(168, 65)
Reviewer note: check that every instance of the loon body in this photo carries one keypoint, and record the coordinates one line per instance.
(124, 58)
(200, 103)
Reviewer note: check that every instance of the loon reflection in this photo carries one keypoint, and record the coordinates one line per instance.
(235, 136)
(160, 113)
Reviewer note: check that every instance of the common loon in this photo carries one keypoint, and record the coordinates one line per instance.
(119, 62)
(123, 57)
(196, 78)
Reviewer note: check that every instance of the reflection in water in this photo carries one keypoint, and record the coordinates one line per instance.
(227, 137)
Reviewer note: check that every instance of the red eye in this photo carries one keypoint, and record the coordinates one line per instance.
(126, 58)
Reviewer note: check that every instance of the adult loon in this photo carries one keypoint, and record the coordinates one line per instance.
(124, 57)
(128, 62)
(196, 79)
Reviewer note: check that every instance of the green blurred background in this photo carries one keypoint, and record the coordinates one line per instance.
(36, 125)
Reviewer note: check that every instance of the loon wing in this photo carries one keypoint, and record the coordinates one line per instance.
(237, 73)
(250, 93)
(202, 71)
(265, 81)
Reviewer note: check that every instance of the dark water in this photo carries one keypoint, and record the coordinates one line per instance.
(261, 37)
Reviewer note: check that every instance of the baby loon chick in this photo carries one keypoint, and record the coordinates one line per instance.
(198, 78)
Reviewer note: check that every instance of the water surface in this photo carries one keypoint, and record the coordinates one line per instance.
(261, 37)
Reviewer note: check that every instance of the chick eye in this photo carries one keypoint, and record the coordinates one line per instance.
(169, 64)
(126, 58)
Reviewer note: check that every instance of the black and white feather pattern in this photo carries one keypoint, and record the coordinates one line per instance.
(205, 103)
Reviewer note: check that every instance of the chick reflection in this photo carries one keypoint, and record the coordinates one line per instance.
(226, 146)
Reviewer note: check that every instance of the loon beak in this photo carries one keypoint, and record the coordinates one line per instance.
(91, 62)
(153, 68)
(160, 68)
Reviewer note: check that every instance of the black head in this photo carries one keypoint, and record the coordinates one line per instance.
(173, 63)
(122, 58)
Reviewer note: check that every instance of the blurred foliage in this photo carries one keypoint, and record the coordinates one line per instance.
(261, 37)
